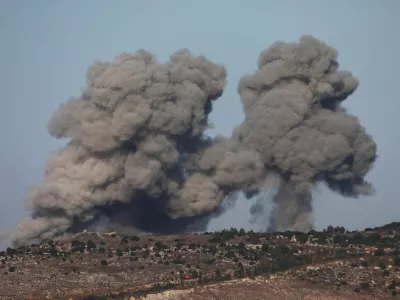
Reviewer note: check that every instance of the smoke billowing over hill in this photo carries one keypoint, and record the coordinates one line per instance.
(138, 157)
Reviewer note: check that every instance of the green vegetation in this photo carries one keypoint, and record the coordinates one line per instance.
(251, 253)
(90, 245)
(179, 262)
(160, 246)
(397, 260)
(103, 262)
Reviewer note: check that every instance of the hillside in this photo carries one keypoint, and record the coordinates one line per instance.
(229, 264)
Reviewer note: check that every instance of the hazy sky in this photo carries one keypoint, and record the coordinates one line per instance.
(47, 45)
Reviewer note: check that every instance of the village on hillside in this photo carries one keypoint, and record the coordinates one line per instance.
(107, 265)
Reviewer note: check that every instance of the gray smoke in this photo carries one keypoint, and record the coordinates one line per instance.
(138, 157)
(5, 238)
(295, 121)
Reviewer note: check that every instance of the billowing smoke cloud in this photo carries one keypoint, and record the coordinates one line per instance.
(138, 157)
(294, 119)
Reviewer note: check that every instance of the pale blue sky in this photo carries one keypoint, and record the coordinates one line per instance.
(47, 45)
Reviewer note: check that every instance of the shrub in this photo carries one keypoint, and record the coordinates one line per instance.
(194, 274)
(102, 250)
(135, 238)
(213, 249)
(379, 252)
(160, 246)
(119, 252)
(210, 261)
(104, 262)
(302, 238)
(77, 243)
(365, 264)
(11, 269)
(240, 273)
(397, 260)
(265, 248)
(364, 285)
(53, 252)
(113, 235)
(179, 261)
(285, 250)
(215, 239)
(78, 249)
(382, 266)
(90, 245)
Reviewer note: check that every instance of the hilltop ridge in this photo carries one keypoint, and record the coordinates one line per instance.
(93, 265)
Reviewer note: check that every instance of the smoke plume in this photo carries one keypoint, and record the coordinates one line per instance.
(295, 121)
(137, 155)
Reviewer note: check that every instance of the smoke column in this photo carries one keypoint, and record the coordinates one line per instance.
(137, 156)
(295, 121)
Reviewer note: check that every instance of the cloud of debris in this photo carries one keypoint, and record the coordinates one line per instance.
(295, 121)
(137, 155)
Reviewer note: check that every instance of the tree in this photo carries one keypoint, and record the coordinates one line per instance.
(103, 262)
(119, 252)
(218, 274)
(265, 248)
(160, 246)
(379, 252)
(194, 274)
(90, 245)
(330, 229)
(397, 260)
(241, 232)
(321, 240)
